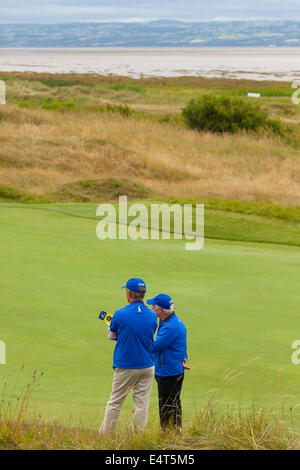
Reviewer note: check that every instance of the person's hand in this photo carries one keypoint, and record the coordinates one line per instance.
(185, 364)
(111, 334)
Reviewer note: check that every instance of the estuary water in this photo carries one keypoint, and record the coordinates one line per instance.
(255, 63)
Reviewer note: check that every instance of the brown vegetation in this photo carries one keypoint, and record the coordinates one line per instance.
(41, 151)
(211, 428)
(92, 133)
(191, 82)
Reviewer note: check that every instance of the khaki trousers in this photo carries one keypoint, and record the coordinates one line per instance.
(125, 380)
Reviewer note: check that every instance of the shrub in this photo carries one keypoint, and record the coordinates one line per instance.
(224, 114)
(280, 91)
(96, 190)
(59, 105)
(27, 104)
(170, 118)
(124, 110)
(61, 83)
(14, 194)
(127, 87)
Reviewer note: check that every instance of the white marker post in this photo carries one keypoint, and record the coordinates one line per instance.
(254, 95)
(2, 92)
(2, 352)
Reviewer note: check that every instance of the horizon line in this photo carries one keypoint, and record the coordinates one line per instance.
(153, 20)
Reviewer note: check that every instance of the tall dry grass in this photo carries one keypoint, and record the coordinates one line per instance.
(214, 425)
(247, 432)
(40, 151)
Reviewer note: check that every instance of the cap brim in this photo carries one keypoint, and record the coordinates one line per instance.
(123, 287)
(150, 302)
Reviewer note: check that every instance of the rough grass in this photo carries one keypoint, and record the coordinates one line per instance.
(245, 207)
(106, 189)
(99, 190)
(244, 431)
(211, 428)
(71, 79)
(72, 128)
(41, 151)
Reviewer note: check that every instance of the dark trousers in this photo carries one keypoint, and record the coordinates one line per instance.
(170, 411)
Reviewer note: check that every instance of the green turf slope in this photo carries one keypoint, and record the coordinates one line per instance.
(239, 301)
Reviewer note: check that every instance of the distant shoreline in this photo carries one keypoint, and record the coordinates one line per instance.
(158, 33)
(92, 78)
(252, 63)
(154, 48)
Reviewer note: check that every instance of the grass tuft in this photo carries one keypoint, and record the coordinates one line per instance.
(99, 190)
(211, 428)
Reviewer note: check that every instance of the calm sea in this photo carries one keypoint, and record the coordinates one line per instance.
(256, 63)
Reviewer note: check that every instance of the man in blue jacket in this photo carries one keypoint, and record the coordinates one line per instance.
(133, 328)
(170, 355)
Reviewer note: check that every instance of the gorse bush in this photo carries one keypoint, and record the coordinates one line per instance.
(224, 114)
(51, 83)
(124, 110)
(59, 105)
(127, 87)
(49, 106)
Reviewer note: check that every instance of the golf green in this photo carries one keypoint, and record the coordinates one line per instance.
(239, 301)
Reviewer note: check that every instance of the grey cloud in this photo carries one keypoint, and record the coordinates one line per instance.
(195, 10)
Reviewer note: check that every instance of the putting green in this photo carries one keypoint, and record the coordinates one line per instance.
(240, 301)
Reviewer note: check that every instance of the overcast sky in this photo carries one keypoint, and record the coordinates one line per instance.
(49, 11)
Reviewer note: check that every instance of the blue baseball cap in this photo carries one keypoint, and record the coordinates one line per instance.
(162, 301)
(135, 284)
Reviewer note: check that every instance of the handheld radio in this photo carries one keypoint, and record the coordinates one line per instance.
(106, 317)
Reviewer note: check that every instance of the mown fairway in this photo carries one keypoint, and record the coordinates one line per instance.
(239, 301)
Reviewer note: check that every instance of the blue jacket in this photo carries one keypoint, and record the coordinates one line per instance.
(170, 347)
(135, 326)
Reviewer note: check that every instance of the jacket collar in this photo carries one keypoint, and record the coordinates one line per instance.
(168, 318)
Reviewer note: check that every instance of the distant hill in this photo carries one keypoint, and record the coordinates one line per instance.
(166, 21)
(161, 33)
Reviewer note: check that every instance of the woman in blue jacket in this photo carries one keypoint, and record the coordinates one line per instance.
(170, 355)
